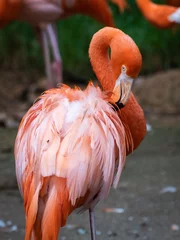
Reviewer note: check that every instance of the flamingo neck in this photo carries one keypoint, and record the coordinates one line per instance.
(135, 124)
(99, 57)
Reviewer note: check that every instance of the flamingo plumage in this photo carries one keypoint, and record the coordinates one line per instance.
(161, 16)
(43, 14)
(71, 144)
(9, 10)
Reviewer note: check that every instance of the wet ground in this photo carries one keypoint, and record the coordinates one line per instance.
(147, 199)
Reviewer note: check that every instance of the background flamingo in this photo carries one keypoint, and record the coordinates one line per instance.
(9, 10)
(43, 15)
(70, 137)
(175, 3)
(162, 16)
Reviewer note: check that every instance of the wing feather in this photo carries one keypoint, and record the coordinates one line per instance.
(87, 148)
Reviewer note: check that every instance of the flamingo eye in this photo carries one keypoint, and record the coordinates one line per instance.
(123, 69)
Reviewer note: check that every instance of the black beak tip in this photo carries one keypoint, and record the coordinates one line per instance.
(118, 105)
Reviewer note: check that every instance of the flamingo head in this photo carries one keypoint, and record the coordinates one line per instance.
(126, 68)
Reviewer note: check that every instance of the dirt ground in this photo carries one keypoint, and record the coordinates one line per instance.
(146, 204)
(147, 198)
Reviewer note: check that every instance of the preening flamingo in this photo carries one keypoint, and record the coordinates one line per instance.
(71, 144)
(43, 14)
(162, 16)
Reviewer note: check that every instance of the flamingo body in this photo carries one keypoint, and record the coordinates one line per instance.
(60, 175)
(9, 10)
(43, 11)
(71, 145)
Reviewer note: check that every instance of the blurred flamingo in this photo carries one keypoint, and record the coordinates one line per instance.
(9, 10)
(71, 145)
(162, 16)
(43, 14)
(175, 3)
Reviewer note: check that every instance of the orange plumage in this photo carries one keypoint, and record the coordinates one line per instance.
(162, 16)
(9, 10)
(71, 144)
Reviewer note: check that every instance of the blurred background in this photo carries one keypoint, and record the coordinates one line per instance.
(146, 204)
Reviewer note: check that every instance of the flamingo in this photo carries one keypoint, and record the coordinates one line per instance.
(175, 3)
(71, 144)
(43, 14)
(9, 9)
(162, 16)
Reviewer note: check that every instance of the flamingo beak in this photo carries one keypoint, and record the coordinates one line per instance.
(122, 90)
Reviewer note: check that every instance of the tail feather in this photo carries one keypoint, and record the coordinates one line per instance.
(52, 217)
(49, 211)
(37, 232)
(31, 214)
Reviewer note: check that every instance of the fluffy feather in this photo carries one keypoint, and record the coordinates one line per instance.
(79, 141)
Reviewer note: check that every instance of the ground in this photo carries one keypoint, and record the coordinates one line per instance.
(146, 211)
(146, 203)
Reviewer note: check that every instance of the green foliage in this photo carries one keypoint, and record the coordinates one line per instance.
(160, 48)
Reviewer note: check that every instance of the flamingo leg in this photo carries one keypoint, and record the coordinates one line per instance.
(92, 224)
(57, 61)
(45, 47)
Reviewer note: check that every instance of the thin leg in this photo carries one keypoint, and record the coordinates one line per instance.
(92, 224)
(57, 61)
(46, 53)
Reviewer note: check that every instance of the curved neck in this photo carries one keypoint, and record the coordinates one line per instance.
(133, 116)
(99, 57)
